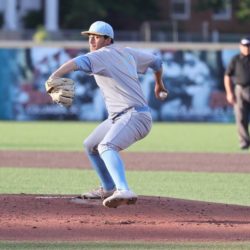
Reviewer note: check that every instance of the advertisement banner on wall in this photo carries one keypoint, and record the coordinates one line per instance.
(194, 80)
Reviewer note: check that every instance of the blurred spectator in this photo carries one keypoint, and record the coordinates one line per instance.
(40, 34)
(198, 81)
(175, 82)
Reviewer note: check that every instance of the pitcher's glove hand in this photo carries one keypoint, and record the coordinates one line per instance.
(61, 90)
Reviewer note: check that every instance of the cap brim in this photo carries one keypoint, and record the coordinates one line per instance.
(90, 33)
(245, 42)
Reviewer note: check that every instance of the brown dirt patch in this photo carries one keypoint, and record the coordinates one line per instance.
(40, 218)
(56, 218)
(200, 162)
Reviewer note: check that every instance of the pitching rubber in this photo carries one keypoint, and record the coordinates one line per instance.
(114, 203)
(79, 200)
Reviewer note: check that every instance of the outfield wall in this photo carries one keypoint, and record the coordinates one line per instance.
(193, 75)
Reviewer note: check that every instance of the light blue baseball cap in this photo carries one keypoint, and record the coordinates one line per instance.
(100, 28)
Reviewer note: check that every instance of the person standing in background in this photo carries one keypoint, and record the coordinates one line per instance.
(237, 86)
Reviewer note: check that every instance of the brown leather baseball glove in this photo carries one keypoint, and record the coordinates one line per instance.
(61, 90)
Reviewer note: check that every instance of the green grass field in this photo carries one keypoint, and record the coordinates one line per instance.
(123, 246)
(213, 187)
(164, 137)
(228, 188)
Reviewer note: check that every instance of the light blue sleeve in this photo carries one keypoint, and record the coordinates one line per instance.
(83, 63)
(156, 64)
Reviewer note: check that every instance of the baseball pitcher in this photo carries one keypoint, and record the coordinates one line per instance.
(115, 70)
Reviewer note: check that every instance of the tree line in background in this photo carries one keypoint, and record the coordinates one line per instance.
(78, 14)
(123, 14)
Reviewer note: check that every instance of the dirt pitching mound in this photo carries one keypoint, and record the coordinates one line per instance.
(56, 218)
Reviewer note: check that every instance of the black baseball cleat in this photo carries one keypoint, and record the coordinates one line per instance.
(245, 146)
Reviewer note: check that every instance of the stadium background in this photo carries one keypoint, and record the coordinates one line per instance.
(193, 76)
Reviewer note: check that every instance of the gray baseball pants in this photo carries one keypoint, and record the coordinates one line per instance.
(242, 111)
(113, 135)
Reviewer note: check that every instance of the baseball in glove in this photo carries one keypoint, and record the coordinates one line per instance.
(61, 90)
